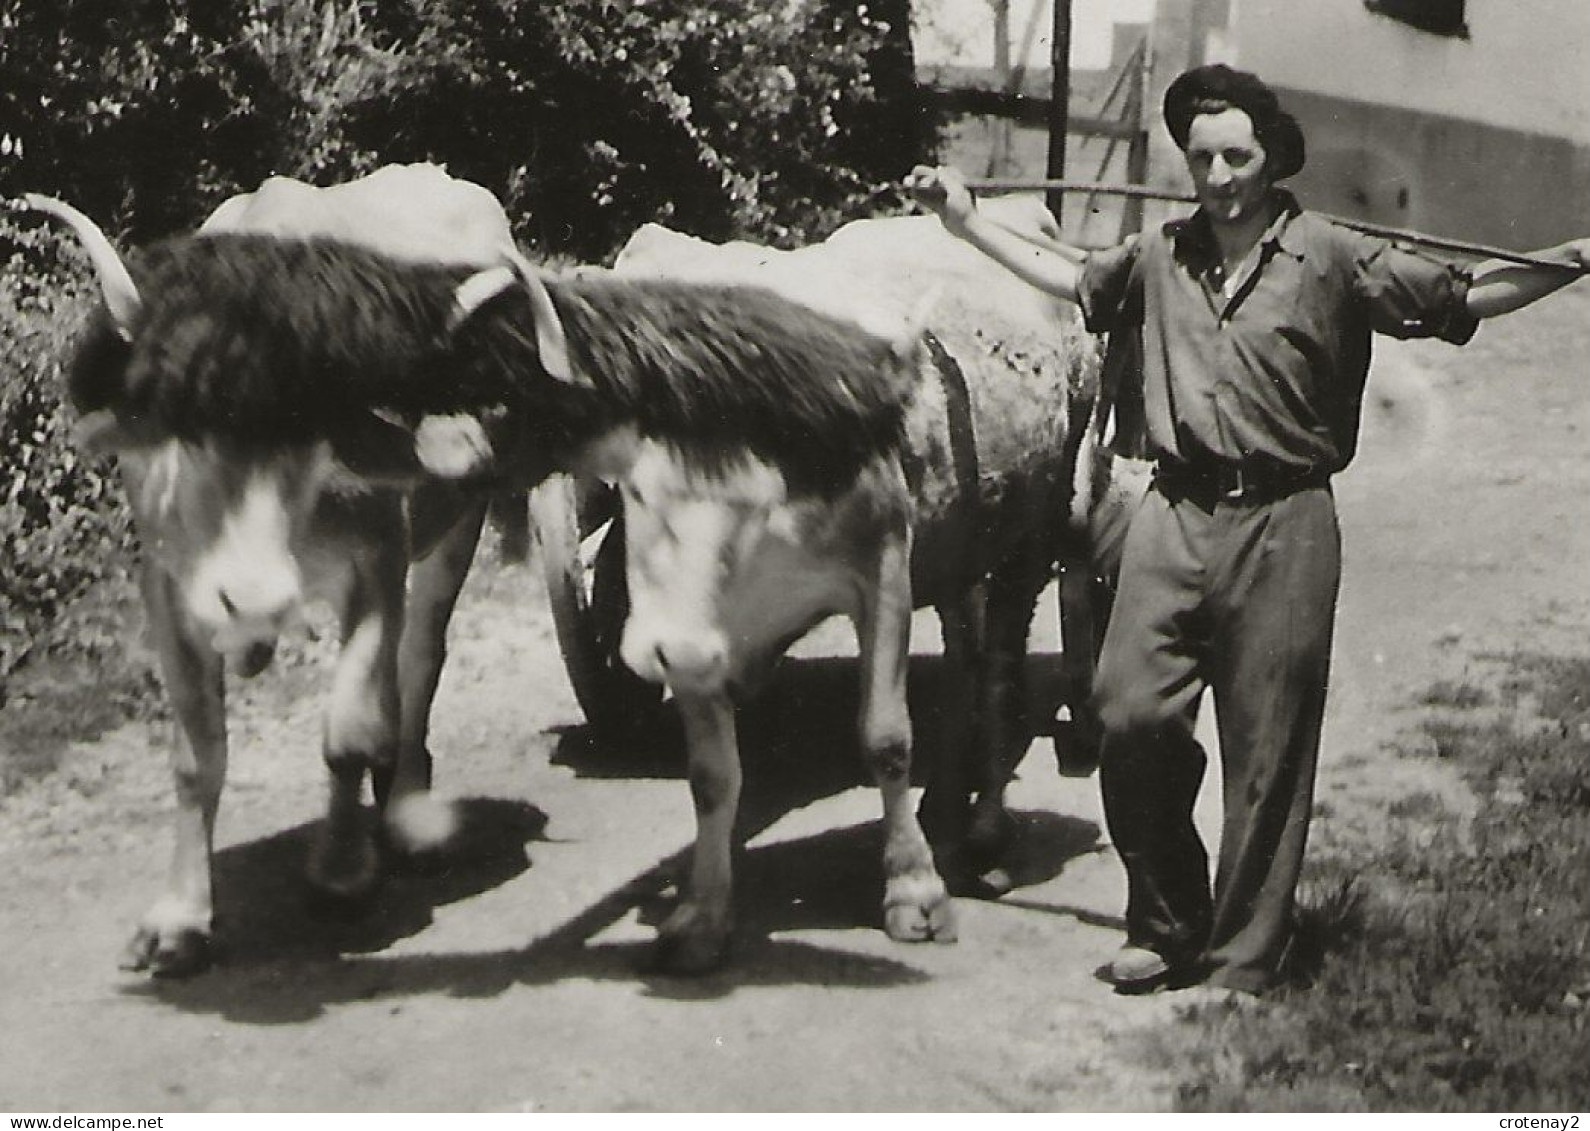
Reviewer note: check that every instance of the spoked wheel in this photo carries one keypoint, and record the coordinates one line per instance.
(580, 525)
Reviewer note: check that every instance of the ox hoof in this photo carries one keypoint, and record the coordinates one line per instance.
(965, 872)
(992, 884)
(176, 954)
(689, 942)
(1077, 747)
(992, 832)
(916, 923)
(930, 919)
(688, 955)
(344, 869)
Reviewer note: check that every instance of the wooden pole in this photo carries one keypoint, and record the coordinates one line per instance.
(1137, 151)
(999, 151)
(1061, 185)
(1059, 101)
(1143, 192)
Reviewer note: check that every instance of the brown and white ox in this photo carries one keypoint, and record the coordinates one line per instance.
(318, 356)
(234, 535)
(993, 490)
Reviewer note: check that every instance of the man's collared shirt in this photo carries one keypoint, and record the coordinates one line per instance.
(1265, 371)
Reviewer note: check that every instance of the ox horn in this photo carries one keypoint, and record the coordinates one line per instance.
(115, 281)
(476, 291)
(551, 341)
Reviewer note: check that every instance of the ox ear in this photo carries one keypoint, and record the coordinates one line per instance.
(115, 281)
(476, 291)
(384, 448)
(101, 433)
(454, 446)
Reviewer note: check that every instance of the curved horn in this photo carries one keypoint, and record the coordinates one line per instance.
(115, 281)
(551, 342)
(476, 291)
(483, 286)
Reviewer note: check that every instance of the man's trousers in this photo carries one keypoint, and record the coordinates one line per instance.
(1240, 597)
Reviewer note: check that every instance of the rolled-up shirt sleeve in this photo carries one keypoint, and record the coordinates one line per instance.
(1104, 290)
(1412, 295)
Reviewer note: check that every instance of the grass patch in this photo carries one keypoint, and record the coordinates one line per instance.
(1447, 969)
(1457, 695)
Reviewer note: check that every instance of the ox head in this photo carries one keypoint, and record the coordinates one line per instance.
(227, 514)
(694, 539)
(222, 519)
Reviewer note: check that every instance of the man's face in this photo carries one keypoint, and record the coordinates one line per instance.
(1227, 164)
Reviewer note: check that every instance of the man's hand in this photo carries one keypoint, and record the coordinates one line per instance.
(944, 192)
(1500, 285)
(1046, 264)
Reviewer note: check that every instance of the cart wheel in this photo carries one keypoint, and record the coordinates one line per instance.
(580, 527)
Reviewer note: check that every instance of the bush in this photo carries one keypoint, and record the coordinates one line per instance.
(62, 521)
(727, 118)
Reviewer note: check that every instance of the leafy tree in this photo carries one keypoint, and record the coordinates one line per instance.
(767, 118)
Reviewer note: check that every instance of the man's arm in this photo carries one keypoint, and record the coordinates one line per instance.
(1045, 264)
(1500, 287)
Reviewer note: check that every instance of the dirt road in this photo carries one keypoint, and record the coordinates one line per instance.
(508, 979)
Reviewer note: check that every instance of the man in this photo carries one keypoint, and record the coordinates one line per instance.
(1255, 320)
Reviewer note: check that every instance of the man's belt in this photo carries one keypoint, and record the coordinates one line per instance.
(1211, 483)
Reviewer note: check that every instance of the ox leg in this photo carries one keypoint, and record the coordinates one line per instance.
(695, 937)
(362, 719)
(174, 937)
(1013, 592)
(946, 802)
(445, 531)
(1084, 611)
(916, 906)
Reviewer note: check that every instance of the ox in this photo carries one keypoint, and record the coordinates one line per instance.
(992, 492)
(318, 355)
(224, 560)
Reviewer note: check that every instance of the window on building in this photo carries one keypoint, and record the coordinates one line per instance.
(1442, 17)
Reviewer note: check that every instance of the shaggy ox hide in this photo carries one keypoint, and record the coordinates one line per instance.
(268, 341)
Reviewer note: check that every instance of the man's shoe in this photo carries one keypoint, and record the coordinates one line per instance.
(1138, 970)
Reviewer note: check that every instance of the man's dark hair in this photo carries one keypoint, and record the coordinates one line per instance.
(1217, 87)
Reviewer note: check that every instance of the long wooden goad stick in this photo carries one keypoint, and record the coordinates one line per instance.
(1143, 192)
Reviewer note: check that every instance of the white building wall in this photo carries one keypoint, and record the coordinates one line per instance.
(1523, 68)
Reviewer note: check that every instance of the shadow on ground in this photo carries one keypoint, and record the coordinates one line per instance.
(286, 961)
